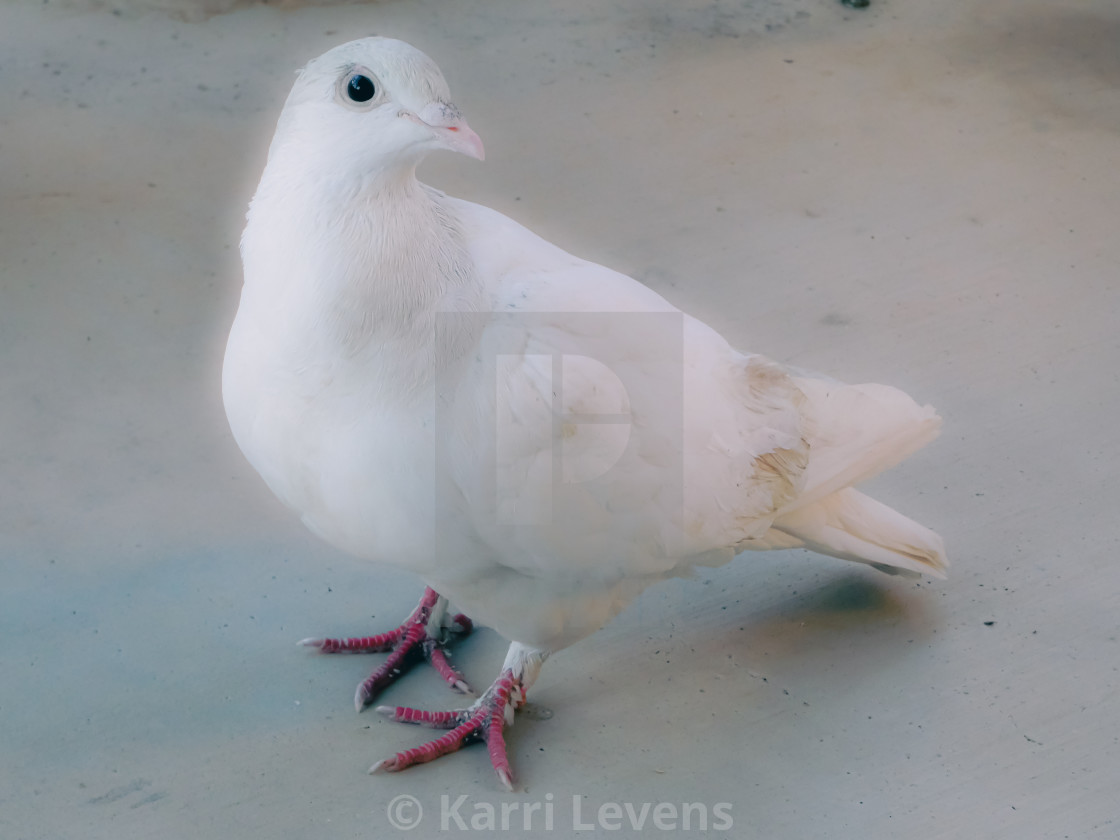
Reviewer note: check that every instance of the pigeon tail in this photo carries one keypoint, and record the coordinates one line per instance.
(855, 432)
(853, 526)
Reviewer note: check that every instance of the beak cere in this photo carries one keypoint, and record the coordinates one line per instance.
(451, 130)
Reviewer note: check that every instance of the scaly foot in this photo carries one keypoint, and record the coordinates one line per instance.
(424, 634)
(485, 720)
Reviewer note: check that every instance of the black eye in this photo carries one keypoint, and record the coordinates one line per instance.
(360, 88)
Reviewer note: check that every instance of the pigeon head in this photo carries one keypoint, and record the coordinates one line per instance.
(371, 105)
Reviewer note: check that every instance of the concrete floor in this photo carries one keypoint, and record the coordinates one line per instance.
(921, 194)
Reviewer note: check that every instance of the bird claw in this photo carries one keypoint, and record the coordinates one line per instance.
(463, 688)
(424, 635)
(421, 636)
(485, 721)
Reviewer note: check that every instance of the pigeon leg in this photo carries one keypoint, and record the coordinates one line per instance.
(423, 635)
(485, 720)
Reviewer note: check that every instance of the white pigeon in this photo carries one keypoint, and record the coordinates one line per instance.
(429, 384)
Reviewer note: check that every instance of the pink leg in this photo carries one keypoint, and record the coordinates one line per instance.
(485, 721)
(420, 637)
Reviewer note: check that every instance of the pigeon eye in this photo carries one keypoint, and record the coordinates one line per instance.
(360, 88)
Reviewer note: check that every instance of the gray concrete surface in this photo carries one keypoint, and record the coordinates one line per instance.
(921, 194)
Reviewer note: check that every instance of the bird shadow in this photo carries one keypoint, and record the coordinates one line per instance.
(683, 638)
(851, 618)
(850, 604)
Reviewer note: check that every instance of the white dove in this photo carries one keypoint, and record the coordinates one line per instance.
(427, 383)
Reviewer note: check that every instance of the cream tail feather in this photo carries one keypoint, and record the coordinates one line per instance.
(855, 432)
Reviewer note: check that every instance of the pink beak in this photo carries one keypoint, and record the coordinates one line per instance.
(452, 130)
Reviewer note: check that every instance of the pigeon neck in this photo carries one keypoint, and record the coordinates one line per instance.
(360, 272)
